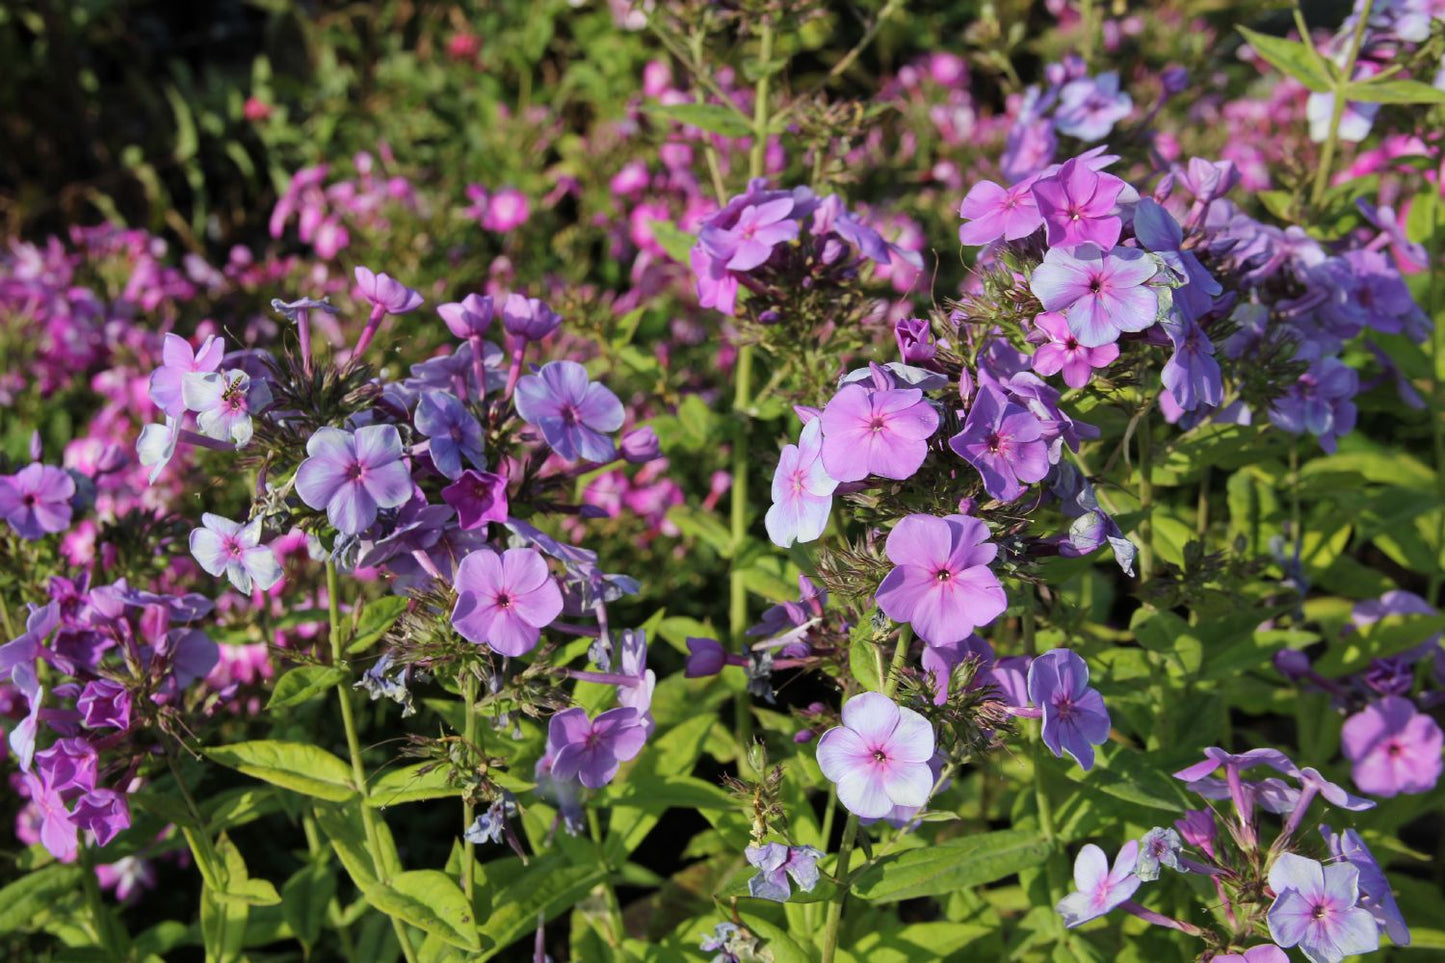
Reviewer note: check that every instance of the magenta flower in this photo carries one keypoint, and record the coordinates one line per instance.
(36, 500)
(1077, 205)
(478, 497)
(528, 318)
(1005, 442)
(574, 414)
(750, 241)
(179, 359)
(57, 833)
(224, 403)
(1075, 719)
(802, 490)
(593, 749)
(102, 812)
(468, 318)
(1063, 352)
(104, 704)
(1315, 909)
(878, 757)
(505, 600)
(507, 210)
(995, 212)
(1100, 294)
(1394, 748)
(385, 293)
(941, 583)
(353, 474)
(224, 547)
(1097, 888)
(876, 432)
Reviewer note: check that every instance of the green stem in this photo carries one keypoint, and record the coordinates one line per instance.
(103, 924)
(760, 100)
(614, 909)
(1437, 405)
(1337, 111)
(1045, 809)
(900, 659)
(1146, 499)
(353, 748)
(835, 908)
(5, 622)
(469, 809)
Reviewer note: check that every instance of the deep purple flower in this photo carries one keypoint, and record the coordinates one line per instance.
(36, 500)
(802, 490)
(178, 359)
(1314, 909)
(640, 445)
(915, 340)
(705, 657)
(1394, 748)
(69, 766)
(593, 749)
(453, 431)
(1097, 888)
(225, 402)
(878, 757)
(1199, 829)
(1320, 403)
(575, 415)
(1005, 442)
(775, 863)
(995, 212)
(505, 600)
(104, 704)
(1075, 718)
(1078, 205)
(1063, 352)
(478, 497)
(224, 547)
(1191, 374)
(941, 583)
(352, 474)
(1090, 107)
(876, 432)
(102, 812)
(1101, 294)
(1375, 893)
(528, 318)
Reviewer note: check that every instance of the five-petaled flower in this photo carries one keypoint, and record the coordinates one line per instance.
(505, 600)
(941, 583)
(353, 474)
(878, 757)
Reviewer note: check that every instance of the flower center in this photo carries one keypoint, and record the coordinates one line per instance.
(569, 415)
(876, 423)
(994, 442)
(879, 755)
(1320, 911)
(505, 600)
(1394, 749)
(355, 472)
(943, 575)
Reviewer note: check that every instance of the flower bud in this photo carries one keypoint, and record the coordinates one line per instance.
(640, 445)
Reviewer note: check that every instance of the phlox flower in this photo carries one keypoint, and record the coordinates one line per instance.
(528, 318)
(802, 490)
(453, 432)
(995, 212)
(1075, 718)
(1315, 909)
(156, 446)
(1320, 403)
(468, 318)
(1005, 442)
(225, 547)
(941, 583)
(1101, 294)
(881, 433)
(878, 757)
(478, 497)
(1063, 352)
(1090, 107)
(353, 474)
(775, 863)
(1077, 205)
(385, 293)
(505, 600)
(179, 359)
(1375, 893)
(36, 500)
(593, 750)
(1393, 747)
(1097, 888)
(1263, 953)
(1191, 374)
(104, 704)
(574, 414)
(224, 403)
(58, 834)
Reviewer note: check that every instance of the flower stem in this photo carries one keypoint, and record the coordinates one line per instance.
(1437, 405)
(1146, 499)
(353, 747)
(835, 908)
(1337, 110)
(900, 659)
(469, 809)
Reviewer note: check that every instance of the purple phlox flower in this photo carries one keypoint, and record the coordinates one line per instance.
(750, 240)
(528, 318)
(225, 402)
(1063, 352)
(1079, 205)
(941, 583)
(1160, 234)
(916, 344)
(505, 600)
(456, 371)
(574, 414)
(1102, 295)
(104, 813)
(490, 826)
(802, 490)
(876, 432)
(1005, 442)
(707, 657)
(1409, 254)
(36, 500)
(1313, 784)
(468, 318)
(775, 863)
(1159, 847)
(895, 374)
(641, 445)
(353, 474)
(1097, 888)
(995, 212)
(1390, 676)
(453, 430)
(224, 547)
(1314, 909)
(1382, 294)
(104, 704)
(1075, 718)
(940, 660)
(156, 446)
(632, 659)
(878, 758)
(1199, 829)
(1375, 893)
(58, 833)
(1090, 107)
(722, 939)
(385, 293)
(68, 767)
(417, 526)
(1191, 375)
(593, 749)
(1393, 747)
(478, 497)
(388, 680)
(1320, 403)
(1029, 145)
(178, 359)
(1263, 953)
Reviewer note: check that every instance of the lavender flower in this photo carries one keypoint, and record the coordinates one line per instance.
(36, 500)
(881, 432)
(1101, 294)
(1004, 441)
(1393, 747)
(224, 547)
(802, 490)
(1375, 893)
(1078, 205)
(574, 414)
(1315, 909)
(1159, 847)
(995, 212)
(1320, 403)
(178, 360)
(1097, 888)
(1063, 352)
(453, 432)
(593, 749)
(104, 704)
(505, 600)
(775, 863)
(1075, 718)
(941, 583)
(878, 757)
(353, 474)
(224, 403)
(1089, 108)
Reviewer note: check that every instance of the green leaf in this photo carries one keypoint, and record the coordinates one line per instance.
(1393, 91)
(713, 118)
(411, 784)
(865, 659)
(552, 886)
(30, 895)
(655, 794)
(951, 866)
(223, 927)
(675, 241)
(239, 886)
(304, 899)
(376, 620)
(429, 900)
(1389, 636)
(1293, 58)
(302, 683)
(782, 947)
(298, 766)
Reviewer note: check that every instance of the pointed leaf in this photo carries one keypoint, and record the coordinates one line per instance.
(297, 766)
